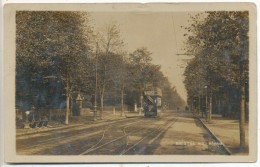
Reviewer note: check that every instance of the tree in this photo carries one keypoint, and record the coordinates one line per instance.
(142, 71)
(220, 39)
(140, 61)
(53, 44)
(110, 44)
(120, 76)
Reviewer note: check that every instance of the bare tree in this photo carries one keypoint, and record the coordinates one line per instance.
(110, 42)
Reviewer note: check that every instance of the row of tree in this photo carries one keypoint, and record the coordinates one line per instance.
(216, 77)
(59, 54)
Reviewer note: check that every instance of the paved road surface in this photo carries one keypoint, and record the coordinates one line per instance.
(171, 133)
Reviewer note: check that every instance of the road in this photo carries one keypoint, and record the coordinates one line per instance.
(170, 133)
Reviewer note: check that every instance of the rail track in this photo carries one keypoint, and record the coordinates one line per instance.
(69, 135)
(151, 137)
(151, 133)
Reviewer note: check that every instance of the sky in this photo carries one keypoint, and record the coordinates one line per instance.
(160, 32)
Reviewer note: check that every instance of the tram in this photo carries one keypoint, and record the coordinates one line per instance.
(152, 101)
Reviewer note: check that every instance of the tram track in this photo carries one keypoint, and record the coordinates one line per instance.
(96, 146)
(143, 131)
(68, 136)
(160, 130)
(47, 131)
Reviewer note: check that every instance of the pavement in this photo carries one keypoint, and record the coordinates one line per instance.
(188, 137)
(227, 131)
(78, 121)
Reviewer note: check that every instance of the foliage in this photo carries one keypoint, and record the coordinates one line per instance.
(51, 45)
(219, 44)
(58, 56)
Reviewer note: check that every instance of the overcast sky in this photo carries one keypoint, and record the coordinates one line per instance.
(161, 33)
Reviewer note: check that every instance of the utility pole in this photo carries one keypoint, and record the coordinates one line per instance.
(206, 87)
(95, 103)
(199, 105)
(202, 111)
(67, 103)
(122, 101)
(210, 106)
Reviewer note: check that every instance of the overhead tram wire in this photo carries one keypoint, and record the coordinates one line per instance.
(175, 38)
(174, 33)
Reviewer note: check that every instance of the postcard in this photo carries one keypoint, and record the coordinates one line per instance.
(129, 82)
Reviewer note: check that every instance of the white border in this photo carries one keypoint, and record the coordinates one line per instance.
(115, 1)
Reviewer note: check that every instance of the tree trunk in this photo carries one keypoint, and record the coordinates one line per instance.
(67, 105)
(192, 107)
(219, 104)
(242, 119)
(122, 101)
(141, 103)
(71, 108)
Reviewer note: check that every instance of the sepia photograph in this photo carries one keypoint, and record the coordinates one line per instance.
(132, 80)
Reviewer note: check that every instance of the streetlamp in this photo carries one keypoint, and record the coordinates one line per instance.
(26, 125)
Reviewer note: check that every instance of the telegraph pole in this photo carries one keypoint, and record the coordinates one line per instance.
(95, 103)
(199, 105)
(206, 87)
(210, 106)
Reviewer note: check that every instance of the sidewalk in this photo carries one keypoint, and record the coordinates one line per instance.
(227, 131)
(77, 121)
(187, 136)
